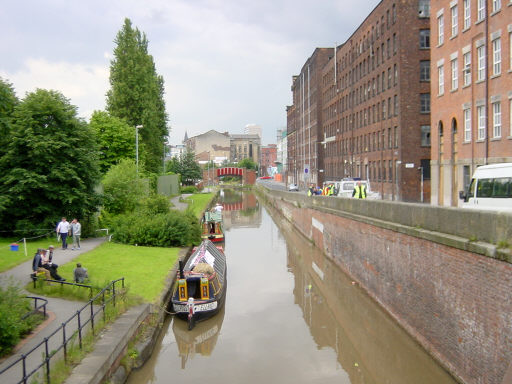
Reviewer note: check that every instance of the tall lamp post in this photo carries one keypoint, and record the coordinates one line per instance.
(137, 127)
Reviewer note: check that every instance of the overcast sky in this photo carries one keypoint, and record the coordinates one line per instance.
(225, 63)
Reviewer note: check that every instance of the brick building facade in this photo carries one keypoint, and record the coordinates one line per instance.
(268, 159)
(305, 122)
(471, 91)
(376, 103)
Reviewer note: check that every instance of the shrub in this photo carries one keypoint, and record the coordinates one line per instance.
(189, 189)
(154, 204)
(13, 305)
(172, 229)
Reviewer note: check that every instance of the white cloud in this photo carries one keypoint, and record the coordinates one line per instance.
(84, 85)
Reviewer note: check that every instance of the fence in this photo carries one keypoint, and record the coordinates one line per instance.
(36, 307)
(87, 311)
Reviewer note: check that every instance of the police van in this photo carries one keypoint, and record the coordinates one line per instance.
(490, 188)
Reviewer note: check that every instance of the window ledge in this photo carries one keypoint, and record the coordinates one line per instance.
(495, 76)
(453, 36)
(466, 142)
(479, 81)
(466, 29)
(496, 12)
(496, 139)
(439, 45)
(480, 141)
(509, 137)
(440, 94)
(454, 90)
(480, 21)
(466, 86)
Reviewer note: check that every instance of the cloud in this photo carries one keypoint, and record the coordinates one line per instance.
(85, 85)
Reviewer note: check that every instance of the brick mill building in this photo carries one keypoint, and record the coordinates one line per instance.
(471, 91)
(373, 111)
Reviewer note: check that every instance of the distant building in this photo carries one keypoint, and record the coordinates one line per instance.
(210, 146)
(471, 92)
(282, 149)
(245, 146)
(268, 159)
(175, 151)
(252, 129)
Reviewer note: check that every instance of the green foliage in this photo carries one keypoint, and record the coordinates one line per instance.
(116, 139)
(8, 101)
(187, 167)
(154, 205)
(50, 167)
(189, 189)
(173, 229)
(137, 93)
(13, 305)
(199, 202)
(122, 188)
(248, 163)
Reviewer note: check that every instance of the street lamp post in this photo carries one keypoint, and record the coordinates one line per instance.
(137, 127)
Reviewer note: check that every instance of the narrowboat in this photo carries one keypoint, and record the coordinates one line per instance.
(200, 288)
(212, 227)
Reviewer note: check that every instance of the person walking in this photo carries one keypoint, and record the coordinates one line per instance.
(359, 191)
(63, 230)
(76, 231)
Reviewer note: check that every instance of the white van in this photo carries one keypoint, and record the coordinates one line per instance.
(346, 186)
(490, 188)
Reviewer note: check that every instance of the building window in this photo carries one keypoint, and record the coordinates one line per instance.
(394, 13)
(510, 48)
(480, 10)
(496, 49)
(455, 21)
(389, 107)
(440, 30)
(425, 135)
(383, 110)
(425, 102)
(480, 112)
(440, 73)
(480, 52)
(467, 14)
(467, 125)
(389, 77)
(424, 8)
(425, 70)
(467, 68)
(455, 75)
(424, 38)
(496, 5)
(395, 44)
(395, 105)
(496, 120)
(396, 73)
(395, 135)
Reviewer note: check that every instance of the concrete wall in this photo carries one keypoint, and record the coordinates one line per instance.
(451, 294)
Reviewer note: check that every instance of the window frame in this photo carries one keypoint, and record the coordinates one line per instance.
(440, 77)
(496, 56)
(480, 117)
(496, 119)
(467, 125)
(455, 74)
(455, 20)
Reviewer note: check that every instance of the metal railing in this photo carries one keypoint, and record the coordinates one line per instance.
(36, 279)
(87, 311)
(36, 307)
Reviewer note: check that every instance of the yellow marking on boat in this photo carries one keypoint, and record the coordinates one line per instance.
(182, 289)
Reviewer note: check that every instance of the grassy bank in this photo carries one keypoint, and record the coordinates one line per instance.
(144, 270)
(10, 259)
(199, 202)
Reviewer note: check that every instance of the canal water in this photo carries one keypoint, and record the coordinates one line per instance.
(291, 316)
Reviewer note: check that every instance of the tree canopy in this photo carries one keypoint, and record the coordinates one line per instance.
(116, 139)
(187, 167)
(248, 163)
(8, 101)
(50, 167)
(137, 93)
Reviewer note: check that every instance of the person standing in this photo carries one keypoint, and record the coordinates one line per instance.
(359, 191)
(63, 230)
(76, 231)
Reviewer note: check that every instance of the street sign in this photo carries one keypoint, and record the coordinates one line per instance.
(409, 165)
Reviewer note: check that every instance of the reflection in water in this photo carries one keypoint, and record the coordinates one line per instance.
(291, 316)
(241, 209)
(200, 340)
(369, 345)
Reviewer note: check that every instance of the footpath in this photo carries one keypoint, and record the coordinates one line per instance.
(58, 311)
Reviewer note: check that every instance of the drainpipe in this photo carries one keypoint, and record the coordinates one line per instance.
(487, 107)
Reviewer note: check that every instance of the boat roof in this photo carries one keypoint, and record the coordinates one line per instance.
(208, 253)
(213, 216)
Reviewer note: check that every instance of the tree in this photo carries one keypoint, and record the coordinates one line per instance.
(8, 101)
(187, 167)
(248, 163)
(122, 188)
(116, 139)
(137, 93)
(50, 168)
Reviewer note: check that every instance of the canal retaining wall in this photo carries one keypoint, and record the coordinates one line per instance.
(444, 274)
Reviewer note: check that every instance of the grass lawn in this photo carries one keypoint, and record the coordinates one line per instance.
(144, 269)
(198, 202)
(10, 259)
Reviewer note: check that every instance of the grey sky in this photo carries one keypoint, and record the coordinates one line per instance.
(225, 63)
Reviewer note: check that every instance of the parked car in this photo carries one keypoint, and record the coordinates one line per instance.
(293, 188)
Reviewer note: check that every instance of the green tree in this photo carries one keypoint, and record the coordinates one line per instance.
(190, 169)
(137, 93)
(248, 163)
(116, 139)
(8, 101)
(122, 188)
(50, 168)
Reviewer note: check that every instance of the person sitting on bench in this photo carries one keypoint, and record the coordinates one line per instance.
(50, 266)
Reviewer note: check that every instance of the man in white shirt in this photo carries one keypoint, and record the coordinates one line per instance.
(63, 230)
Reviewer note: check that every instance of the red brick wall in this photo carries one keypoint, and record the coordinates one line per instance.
(457, 304)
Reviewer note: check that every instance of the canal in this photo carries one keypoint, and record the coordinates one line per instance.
(291, 316)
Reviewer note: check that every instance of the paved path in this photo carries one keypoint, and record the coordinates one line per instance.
(59, 311)
(179, 205)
